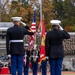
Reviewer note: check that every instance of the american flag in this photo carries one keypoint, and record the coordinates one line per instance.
(33, 29)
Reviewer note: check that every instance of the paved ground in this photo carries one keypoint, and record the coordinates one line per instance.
(39, 73)
(63, 73)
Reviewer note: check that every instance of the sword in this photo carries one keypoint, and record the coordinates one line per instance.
(34, 57)
(25, 60)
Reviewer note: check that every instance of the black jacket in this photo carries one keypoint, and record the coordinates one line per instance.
(54, 43)
(16, 33)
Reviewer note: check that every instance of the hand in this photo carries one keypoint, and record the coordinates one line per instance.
(47, 57)
(60, 27)
(25, 56)
(9, 56)
(36, 56)
(23, 23)
(27, 27)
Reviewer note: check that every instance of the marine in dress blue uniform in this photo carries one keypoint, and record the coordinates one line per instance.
(54, 47)
(26, 59)
(34, 59)
(44, 67)
(15, 45)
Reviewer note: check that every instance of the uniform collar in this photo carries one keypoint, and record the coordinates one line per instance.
(55, 29)
(15, 25)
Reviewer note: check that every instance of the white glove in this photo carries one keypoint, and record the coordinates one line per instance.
(47, 57)
(36, 56)
(25, 56)
(60, 27)
(23, 23)
(9, 56)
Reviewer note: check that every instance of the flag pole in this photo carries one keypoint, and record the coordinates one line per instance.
(40, 9)
(42, 48)
(35, 22)
(40, 2)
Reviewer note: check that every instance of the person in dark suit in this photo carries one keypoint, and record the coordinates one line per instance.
(44, 67)
(15, 45)
(54, 46)
(34, 59)
(26, 59)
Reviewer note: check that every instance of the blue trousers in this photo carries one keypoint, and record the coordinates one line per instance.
(56, 66)
(26, 67)
(16, 64)
(34, 67)
(43, 67)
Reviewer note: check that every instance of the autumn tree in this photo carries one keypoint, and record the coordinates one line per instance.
(15, 8)
(65, 11)
(22, 9)
(26, 11)
(51, 9)
(69, 16)
(59, 10)
(4, 10)
(48, 11)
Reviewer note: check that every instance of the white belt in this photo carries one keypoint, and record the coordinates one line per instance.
(16, 41)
